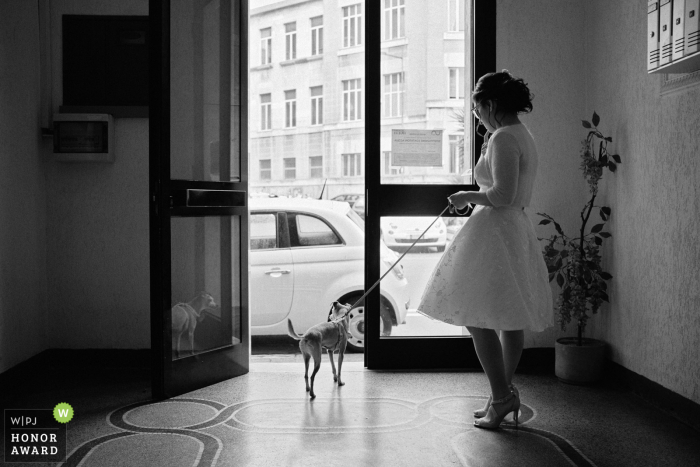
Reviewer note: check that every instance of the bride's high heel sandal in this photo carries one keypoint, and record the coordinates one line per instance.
(493, 419)
(482, 412)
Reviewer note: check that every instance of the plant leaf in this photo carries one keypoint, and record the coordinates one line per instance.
(560, 280)
(597, 228)
(598, 240)
(605, 275)
(616, 157)
(545, 222)
(595, 119)
(586, 124)
(604, 296)
(564, 253)
(552, 252)
(605, 234)
(551, 276)
(608, 139)
(612, 166)
(606, 210)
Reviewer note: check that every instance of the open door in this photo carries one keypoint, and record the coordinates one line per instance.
(414, 161)
(199, 192)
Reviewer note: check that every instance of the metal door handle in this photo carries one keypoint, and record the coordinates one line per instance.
(278, 271)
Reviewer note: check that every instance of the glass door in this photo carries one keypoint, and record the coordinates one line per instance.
(421, 60)
(199, 193)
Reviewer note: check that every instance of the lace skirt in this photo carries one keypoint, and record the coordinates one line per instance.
(492, 275)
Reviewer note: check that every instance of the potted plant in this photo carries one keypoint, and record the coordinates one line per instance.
(575, 263)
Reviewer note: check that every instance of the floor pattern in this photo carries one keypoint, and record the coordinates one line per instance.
(265, 418)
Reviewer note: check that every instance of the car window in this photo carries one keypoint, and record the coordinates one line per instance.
(263, 231)
(312, 231)
(360, 222)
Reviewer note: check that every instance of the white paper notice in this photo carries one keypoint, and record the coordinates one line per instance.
(416, 148)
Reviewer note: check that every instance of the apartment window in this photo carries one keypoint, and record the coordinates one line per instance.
(290, 30)
(265, 169)
(388, 169)
(265, 111)
(317, 105)
(290, 168)
(352, 25)
(352, 165)
(394, 19)
(455, 154)
(290, 106)
(393, 95)
(455, 15)
(265, 46)
(317, 35)
(316, 166)
(457, 83)
(352, 100)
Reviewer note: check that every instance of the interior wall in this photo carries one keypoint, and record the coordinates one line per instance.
(653, 322)
(97, 223)
(541, 43)
(23, 317)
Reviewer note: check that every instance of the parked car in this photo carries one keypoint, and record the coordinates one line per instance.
(304, 255)
(399, 233)
(356, 202)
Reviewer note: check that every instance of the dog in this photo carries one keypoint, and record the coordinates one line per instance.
(330, 336)
(186, 315)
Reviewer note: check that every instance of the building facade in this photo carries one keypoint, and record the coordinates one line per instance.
(306, 84)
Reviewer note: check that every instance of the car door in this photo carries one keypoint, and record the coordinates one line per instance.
(271, 269)
(325, 267)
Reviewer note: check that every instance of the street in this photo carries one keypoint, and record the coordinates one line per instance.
(417, 267)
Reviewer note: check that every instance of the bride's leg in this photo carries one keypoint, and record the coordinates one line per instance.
(512, 346)
(488, 349)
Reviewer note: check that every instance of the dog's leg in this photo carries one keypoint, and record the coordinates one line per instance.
(316, 353)
(330, 355)
(341, 353)
(307, 357)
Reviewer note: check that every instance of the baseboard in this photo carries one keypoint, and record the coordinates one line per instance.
(679, 407)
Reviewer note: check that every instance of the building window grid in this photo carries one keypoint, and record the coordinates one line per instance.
(290, 30)
(456, 83)
(352, 25)
(290, 105)
(394, 19)
(316, 166)
(455, 15)
(265, 112)
(290, 168)
(265, 169)
(317, 35)
(317, 105)
(352, 165)
(393, 94)
(266, 46)
(352, 100)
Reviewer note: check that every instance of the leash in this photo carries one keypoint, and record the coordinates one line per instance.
(449, 207)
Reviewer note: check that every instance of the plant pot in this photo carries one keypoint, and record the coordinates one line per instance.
(575, 364)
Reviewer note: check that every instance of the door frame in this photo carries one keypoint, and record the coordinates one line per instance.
(163, 205)
(411, 200)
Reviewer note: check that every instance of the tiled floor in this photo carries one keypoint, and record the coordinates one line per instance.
(265, 418)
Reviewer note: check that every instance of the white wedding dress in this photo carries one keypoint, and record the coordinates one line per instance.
(493, 274)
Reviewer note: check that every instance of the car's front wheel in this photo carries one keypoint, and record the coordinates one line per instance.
(356, 323)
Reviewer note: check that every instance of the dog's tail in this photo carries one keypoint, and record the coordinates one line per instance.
(290, 331)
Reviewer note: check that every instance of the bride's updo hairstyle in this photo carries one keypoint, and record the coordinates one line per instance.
(510, 94)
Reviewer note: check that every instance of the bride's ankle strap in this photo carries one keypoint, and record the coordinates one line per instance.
(504, 399)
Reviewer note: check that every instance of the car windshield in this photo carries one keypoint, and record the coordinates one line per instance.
(356, 219)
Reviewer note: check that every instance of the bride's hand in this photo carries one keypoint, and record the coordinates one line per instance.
(459, 199)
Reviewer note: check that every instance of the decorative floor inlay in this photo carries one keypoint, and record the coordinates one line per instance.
(187, 431)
